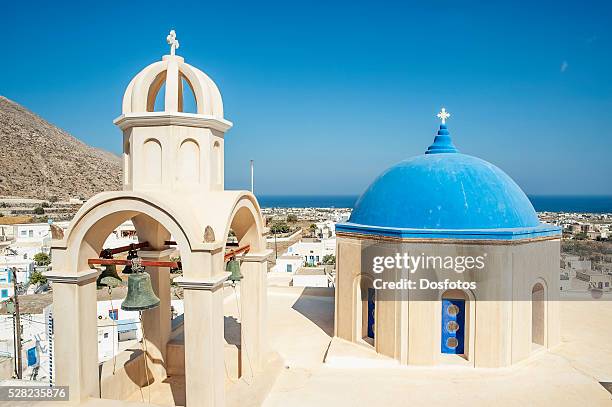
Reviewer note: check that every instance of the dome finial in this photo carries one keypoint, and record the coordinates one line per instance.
(443, 115)
(442, 142)
(173, 42)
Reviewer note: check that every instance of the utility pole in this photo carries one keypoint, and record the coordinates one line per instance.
(17, 327)
(275, 248)
(252, 179)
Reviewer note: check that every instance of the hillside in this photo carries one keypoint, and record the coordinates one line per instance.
(39, 160)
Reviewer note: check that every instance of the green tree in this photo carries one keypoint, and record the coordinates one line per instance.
(39, 210)
(279, 227)
(292, 218)
(37, 278)
(42, 259)
(329, 259)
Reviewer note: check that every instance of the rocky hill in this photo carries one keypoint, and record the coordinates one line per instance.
(39, 160)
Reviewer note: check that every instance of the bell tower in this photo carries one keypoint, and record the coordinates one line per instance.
(170, 150)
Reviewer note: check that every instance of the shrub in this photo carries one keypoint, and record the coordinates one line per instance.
(37, 278)
(279, 227)
(329, 259)
(42, 259)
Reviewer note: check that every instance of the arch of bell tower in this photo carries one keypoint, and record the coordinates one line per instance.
(170, 150)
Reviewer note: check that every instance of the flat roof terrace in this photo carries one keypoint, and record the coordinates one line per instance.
(301, 328)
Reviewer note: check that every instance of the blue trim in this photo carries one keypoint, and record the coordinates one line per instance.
(542, 230)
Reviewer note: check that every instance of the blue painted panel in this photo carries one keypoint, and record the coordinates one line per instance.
(453, 326)
(32, 357)
(113, 314)
(371, 314)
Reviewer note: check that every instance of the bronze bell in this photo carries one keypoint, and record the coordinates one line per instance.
(109, 277)
(140, 295)
(233, 266)
(132, 254)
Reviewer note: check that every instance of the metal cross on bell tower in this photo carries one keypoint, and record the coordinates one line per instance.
(173, 42)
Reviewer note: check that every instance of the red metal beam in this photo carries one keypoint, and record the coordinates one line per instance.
(145, 263)
(150, 263)
(232, 253)
(173, 243)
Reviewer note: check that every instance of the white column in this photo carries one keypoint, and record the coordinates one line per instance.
(75, 333)
(253, 305)
(203, 328)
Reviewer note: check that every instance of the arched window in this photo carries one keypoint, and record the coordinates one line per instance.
(365, 310)
(538, 317)
(187, 100)
(152, 161)
(127, 171)
(216, 164)
(457, 323)
(189, 162)
(156, 98)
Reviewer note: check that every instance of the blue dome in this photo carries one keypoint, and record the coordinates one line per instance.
(447, 194)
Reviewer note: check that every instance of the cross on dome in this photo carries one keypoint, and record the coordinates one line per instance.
(173, 42)
(442, 142)
(443, 115)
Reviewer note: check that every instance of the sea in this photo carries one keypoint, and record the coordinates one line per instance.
(542, 203)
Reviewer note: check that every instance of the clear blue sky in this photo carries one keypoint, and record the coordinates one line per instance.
(326, 95)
